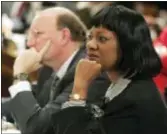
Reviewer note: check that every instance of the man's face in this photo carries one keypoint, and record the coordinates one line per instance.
(43, 28)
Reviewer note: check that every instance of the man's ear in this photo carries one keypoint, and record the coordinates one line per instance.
(66, 36)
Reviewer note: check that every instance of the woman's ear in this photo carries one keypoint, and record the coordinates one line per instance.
(66, 36)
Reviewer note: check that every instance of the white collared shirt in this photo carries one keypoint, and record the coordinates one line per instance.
(26, 86)
(63, 69)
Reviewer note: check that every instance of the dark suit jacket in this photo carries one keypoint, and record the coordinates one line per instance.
(139, 109)
(33, 111)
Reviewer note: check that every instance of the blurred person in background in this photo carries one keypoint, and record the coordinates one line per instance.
(57, 40)
(86, 10)
(160, 46)
(150, 11)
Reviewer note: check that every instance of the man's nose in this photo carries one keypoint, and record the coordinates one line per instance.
(30, 41)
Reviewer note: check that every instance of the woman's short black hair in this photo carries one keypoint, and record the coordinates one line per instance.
(137, 55)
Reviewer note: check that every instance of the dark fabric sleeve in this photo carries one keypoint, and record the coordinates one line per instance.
(153, 116)
(30, 117)
(151, 108)
(79, 120)
(5, 112)
(33, 119)
(71, 120)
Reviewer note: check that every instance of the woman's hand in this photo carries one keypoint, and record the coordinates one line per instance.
(85, 72)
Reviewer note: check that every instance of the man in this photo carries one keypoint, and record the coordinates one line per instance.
(56, 37)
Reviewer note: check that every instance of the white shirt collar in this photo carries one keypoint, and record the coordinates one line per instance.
(115, 89)
(63, 69)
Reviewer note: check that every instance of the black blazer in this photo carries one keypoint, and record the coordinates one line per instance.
(33, 111)
(139, 109)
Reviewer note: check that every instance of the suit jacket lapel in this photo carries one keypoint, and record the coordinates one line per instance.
(69, 76)
(43, 96)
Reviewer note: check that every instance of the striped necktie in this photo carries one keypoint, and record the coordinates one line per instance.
(54, 82)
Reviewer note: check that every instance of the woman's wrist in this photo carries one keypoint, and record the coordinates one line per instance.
(79, 91)
(77, 97)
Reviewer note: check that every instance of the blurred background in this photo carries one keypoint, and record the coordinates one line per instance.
(17, 17)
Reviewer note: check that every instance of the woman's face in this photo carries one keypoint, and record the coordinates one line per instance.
(102, 47)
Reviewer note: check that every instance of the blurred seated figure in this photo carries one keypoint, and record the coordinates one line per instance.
(23, 12)
(12, 43)
(9, 52)
(19, 14)
(86, 10)
(7, 43)
(160, 46)
(150, 11)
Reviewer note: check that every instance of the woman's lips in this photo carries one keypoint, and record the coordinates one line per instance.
(92, 57)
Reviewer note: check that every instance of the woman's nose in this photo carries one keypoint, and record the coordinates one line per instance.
(91, 44)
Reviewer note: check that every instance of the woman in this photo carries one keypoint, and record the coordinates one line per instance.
(119, 43)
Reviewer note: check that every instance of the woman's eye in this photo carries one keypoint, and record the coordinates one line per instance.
(102, 39)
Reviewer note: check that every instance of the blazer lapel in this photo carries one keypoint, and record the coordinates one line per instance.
(119, 104)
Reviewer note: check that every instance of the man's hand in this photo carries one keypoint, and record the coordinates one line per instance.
(29, 60)
(85, 72)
